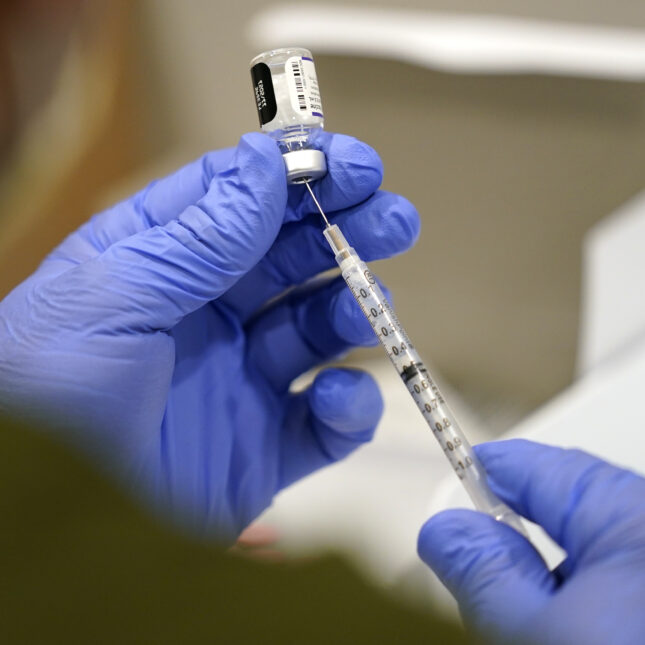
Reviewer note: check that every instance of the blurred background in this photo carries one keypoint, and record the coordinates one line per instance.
(510, 165)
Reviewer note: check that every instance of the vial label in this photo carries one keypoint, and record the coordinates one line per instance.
(264, 93)
(303, 86)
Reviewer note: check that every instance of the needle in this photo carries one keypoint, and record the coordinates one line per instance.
(311, 192)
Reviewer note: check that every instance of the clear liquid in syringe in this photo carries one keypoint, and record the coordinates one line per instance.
(417, 379)
(408, 364)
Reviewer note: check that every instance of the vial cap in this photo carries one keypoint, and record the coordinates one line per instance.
(304, 165)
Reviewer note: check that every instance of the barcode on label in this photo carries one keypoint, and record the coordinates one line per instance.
(300, 90)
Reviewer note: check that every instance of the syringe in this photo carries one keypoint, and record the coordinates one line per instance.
(415, 376)
(287, 97)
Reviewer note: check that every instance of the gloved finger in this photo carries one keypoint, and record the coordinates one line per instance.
(160, 202)
(582, 502)
(384, 225)
(496, 576)
(354, 172)
(150, 281)
(305, 330)
(336, 415)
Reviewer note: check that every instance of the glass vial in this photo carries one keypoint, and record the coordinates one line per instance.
(289, 107)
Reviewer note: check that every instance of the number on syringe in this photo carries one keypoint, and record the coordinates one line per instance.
(429, 407)
(466, 463)
(397, 349)
(423, 386)
(386, 332)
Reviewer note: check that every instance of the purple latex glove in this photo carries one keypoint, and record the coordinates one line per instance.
(146, 330)
(593, 510)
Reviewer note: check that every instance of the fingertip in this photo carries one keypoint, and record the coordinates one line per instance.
(260, 144)
(496, 575)
(444, 532)
(346, 400)
(348, 153)
(258, 156)
(386, 225)
(211, 162)
(237, 220)
(254, 186)
(349, 321)
(461, 544)
(492, 449)
(424, 541)
(411, 218)
(503, 458)
(401, 223)
(165, 199)
(355, 171)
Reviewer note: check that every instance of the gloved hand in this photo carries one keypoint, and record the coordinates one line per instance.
(145, 332)
(595, 511)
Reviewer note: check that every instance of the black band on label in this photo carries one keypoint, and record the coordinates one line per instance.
(264, 94)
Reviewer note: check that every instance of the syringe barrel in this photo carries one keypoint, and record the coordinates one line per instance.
(417, 379)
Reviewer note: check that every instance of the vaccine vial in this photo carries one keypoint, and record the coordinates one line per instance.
(289, 107)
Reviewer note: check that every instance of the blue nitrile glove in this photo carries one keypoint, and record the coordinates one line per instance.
(595, 511)
(144, 330)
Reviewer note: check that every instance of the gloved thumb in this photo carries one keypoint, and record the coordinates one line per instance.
(497, 577)
(151, 280)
